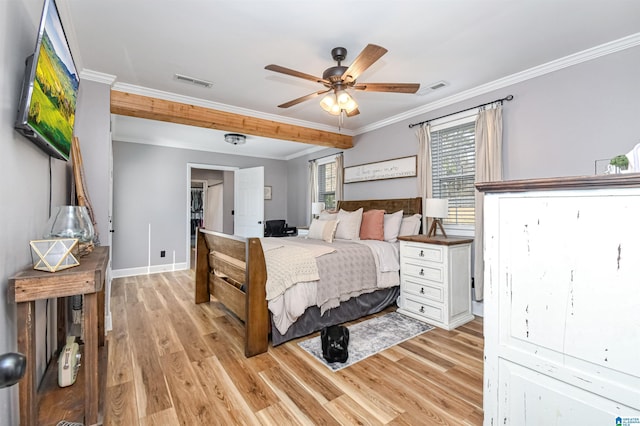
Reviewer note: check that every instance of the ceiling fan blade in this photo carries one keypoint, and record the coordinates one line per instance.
(354, 112)
(388, 87)
(365, 59)
(294, 73)
(302, 99)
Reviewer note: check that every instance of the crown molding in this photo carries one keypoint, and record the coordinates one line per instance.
(98, 77)
(174, 97)
(624, 43)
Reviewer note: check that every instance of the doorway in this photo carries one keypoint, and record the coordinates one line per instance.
(210, 202)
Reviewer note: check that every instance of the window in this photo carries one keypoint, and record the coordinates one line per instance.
(453, 162)
(327, 183)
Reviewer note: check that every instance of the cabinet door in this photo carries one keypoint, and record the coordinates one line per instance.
(563, 296)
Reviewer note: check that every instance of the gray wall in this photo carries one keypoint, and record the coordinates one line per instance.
(151, 189)
(24, 172)
(557, 125)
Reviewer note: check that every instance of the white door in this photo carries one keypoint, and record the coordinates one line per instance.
(248, 193)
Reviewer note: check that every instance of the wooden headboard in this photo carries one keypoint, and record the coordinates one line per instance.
(408, 205)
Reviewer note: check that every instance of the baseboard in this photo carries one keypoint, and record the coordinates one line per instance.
(145, 270)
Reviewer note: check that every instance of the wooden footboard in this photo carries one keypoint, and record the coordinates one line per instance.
(233, 270)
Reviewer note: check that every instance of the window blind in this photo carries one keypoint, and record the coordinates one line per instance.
(453, 161)
(327, 184)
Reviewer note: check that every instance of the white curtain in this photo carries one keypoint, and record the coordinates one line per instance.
(213, 211)
(339, 178)
(313, 185)
(425, 184)
(488, 169)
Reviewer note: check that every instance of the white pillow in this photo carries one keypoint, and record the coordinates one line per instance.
(392, 224)
(322, 230)
(410, 225)
(326, 215)
(349, 224)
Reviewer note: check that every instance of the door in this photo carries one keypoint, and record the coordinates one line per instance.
(249, 202)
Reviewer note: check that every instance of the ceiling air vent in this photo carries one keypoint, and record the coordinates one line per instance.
(194, 81)
(431, 87)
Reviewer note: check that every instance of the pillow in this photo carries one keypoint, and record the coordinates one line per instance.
(328, 215)
(392, 224)
(322, 230)
(349, 224)
(372, 227)
(410, 225)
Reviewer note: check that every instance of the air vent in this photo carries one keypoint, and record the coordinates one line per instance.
(194, 81)
(431, 87)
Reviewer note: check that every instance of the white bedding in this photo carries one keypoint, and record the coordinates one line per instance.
(291, 304)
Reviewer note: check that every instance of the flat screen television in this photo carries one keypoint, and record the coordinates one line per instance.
(47, 109)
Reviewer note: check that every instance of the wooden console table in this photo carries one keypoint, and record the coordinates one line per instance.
(81, 401)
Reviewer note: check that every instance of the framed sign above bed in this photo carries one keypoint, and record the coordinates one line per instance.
(389, 169)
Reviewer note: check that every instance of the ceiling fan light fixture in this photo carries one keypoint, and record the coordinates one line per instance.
(328, 102)
(235, 138)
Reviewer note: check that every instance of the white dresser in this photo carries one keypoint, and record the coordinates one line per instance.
(562, 301)
(435, 280)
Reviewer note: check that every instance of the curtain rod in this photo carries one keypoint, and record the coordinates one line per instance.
(507, 98)
(325, 156)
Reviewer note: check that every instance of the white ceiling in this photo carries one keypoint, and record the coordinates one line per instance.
(469, 44)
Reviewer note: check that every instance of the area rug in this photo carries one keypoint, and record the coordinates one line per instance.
(369, 337)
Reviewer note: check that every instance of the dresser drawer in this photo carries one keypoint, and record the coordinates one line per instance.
(426, 271)
(423, 290)
(418, 307)
(433, 253)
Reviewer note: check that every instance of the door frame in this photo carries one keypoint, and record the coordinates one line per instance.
(188, 200)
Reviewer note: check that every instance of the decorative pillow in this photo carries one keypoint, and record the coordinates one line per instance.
(349, 224)
(322, 230)
(372, 227)
(328, 215)
(392, 224)
(410, 225)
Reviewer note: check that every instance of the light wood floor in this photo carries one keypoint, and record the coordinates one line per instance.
(172, 362)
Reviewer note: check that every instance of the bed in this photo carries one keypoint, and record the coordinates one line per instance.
(234, 270)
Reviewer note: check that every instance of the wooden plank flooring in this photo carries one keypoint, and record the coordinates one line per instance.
(172, 362)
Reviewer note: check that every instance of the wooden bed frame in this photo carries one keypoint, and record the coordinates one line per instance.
(241, 274)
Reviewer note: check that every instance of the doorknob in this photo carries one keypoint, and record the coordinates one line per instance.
(259, 222)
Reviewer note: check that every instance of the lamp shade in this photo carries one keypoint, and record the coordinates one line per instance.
(316, 208)
(437, 207)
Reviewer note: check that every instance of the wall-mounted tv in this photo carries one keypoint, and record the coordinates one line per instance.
(47, 109)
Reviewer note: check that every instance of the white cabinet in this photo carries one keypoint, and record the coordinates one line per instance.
(435, 280)
(562, 301)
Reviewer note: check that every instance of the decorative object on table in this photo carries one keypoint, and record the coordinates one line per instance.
(72, 222)
(69, 363)
(369, 337)
(618, 164)
(335, 343)
(54, 255)
(267, 192)
(437, 209)
(82, 196)
(12, 368)
(316, 209)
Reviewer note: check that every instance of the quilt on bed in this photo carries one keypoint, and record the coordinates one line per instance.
(346, 269)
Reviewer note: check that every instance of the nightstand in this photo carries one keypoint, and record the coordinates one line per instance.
(435, 280)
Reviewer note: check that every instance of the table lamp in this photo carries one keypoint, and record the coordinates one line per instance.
(316, 209)
(437, 209)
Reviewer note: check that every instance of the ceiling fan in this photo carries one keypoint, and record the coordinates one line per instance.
(338, 78)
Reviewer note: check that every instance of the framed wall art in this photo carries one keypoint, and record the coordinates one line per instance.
(267, 192)
(389, 169)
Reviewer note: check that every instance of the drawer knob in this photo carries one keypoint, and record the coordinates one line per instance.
(421, 273)
(422, 309)
(421, 253)
(421, 290)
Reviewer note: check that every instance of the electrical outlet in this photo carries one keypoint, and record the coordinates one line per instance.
(163, 253)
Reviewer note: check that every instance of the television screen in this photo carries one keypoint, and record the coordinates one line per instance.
(46, 113)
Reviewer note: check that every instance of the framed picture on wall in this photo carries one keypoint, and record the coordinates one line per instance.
(267, 192)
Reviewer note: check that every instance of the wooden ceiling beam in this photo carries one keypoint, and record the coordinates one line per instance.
(140, 106)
